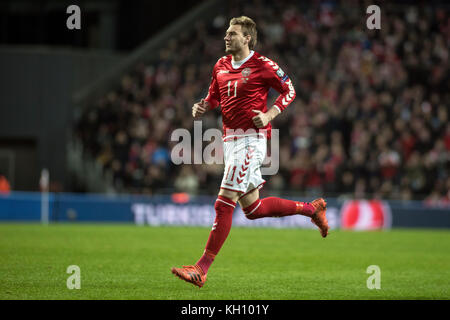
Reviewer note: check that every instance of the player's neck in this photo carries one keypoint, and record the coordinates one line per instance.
(241, 55)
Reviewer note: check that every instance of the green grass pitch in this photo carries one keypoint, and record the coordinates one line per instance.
(131, 262)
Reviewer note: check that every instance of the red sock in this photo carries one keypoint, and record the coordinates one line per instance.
(222, 224)
(277, 207)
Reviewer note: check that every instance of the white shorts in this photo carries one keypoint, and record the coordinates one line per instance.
(243, 159)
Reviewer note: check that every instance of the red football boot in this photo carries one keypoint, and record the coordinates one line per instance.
(319, 217)
(193, 274)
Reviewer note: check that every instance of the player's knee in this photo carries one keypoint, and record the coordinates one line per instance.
(217, 207)
(231, 195)
(224, 206)
(252, 211)
(251, 216)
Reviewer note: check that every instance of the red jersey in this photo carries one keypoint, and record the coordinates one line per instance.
(241, 90)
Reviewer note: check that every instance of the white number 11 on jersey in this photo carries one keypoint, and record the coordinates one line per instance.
(235, 87)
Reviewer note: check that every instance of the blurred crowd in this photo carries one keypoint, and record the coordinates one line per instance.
(371, 117)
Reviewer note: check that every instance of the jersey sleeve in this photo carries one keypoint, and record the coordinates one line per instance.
(213, 97)
(275, 77)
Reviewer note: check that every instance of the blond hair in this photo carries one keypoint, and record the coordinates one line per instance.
(248, 27)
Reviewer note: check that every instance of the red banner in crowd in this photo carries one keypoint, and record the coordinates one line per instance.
(365, 215)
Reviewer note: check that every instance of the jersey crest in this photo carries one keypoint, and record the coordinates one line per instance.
(245, 74)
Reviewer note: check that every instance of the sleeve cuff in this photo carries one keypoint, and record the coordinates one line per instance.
(212, 103)
(277, 108)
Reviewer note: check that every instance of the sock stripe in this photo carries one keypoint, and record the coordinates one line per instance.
(231, 205)
(254, 209)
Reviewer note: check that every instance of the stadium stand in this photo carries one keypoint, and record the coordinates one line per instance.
(371, 116)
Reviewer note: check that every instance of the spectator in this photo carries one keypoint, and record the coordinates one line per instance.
(5, 188)
(370, 118)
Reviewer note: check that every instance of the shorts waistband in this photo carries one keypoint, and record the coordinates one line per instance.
(236, 137)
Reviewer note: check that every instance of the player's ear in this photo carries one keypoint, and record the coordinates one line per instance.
(248, 38)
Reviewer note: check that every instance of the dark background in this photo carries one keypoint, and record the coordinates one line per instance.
(128, 22)
(43, 64)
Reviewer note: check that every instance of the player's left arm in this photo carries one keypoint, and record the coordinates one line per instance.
(275, 77)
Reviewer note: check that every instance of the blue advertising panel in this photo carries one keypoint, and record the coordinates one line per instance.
(199, 211)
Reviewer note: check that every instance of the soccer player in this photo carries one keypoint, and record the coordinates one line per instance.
(240, 84)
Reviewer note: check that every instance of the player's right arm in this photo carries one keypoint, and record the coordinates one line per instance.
(199, 108)
(212, 100)
(213, 97)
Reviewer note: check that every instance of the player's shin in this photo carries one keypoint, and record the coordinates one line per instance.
(277, 207)
(224, 208)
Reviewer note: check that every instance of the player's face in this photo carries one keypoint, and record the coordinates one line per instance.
(235, 40)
